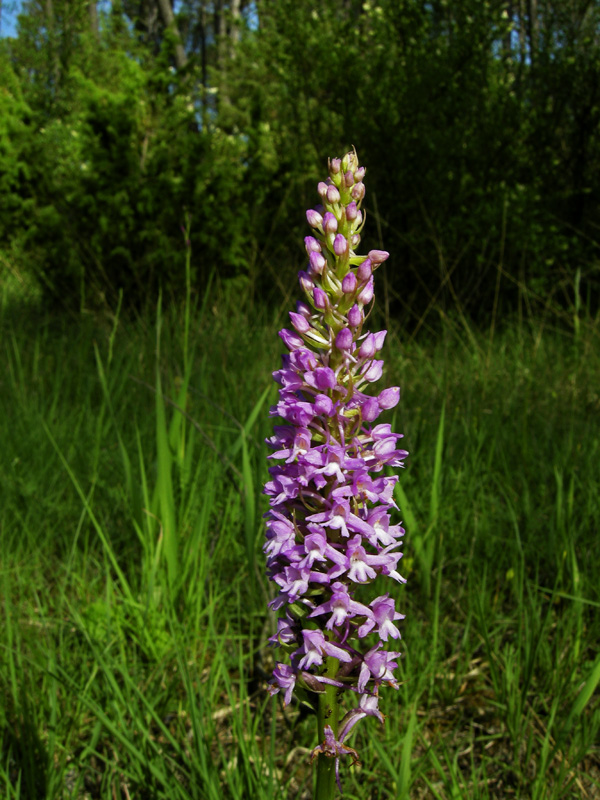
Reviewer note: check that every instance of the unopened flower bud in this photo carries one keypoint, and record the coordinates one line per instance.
(359, 174)
(320, 298)
(340, 245)
(324, 405)
(334, 165)
(333, 195)
(343, 341)
(389, 397)
(355, 240)
(302, 308)
(349, 161)
(349, 179)
(349, 283)
(351, 212)
(300, 323)
(322, 189)
(317, 262)
(315, 220)
(367, 348)
(373, 372)
(311, 245)
(370, 409)
(324, 378)
(329, 223)
(355, 316)
(366, 294)
(378, 256)
(364, 272)
(358, 191)
(379, 339)
(291, 340)
(306, 282)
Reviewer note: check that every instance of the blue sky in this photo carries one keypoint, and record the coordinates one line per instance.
(8, 18)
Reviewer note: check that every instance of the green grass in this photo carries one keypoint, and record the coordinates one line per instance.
(133, 618)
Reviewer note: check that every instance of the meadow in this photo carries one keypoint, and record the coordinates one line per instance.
(133, 622)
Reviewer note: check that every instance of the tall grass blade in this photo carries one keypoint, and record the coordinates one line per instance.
(583, 698)
(123, 582)
(436, 483)
(131, 485)
(164, 478)
(252, 417)
(404, 776)
(249, 510)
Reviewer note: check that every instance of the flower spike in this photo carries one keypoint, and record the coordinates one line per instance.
(329, 528)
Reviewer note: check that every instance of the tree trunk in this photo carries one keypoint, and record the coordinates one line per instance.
(168, 17)
(52, 45)
(507, 43)
(234, 33)
(533, 30)
(93, 8)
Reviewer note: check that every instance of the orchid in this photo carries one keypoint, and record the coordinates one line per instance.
(329, 529)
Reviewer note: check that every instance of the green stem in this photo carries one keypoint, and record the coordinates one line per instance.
(327, 715)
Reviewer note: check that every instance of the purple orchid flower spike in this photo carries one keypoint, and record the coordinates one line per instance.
(329, 526)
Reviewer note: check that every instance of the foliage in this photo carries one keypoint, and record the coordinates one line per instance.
(479, 120)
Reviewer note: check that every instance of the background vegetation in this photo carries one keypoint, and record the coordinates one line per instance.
(479, 121)
(154, 171)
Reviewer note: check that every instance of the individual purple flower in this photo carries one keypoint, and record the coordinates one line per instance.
(341, 606)
(316, 647)
(329, 528)
(284, 677)
(367, 707)
(377, 665)
(332, 748)
(383, 617)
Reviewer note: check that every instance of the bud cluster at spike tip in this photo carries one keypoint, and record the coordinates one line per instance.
(329, 526)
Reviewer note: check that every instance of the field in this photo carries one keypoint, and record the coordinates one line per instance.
(133, 620)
